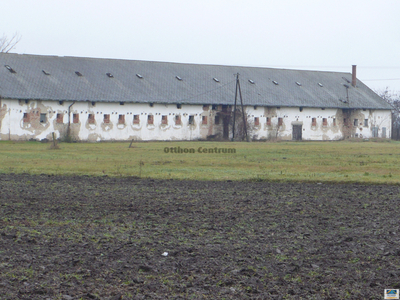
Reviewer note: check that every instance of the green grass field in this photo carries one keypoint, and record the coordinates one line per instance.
(344, 161)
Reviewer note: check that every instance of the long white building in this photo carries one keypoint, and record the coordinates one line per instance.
(91, 99)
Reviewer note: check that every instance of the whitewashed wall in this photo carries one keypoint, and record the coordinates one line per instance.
(12, 126)
(335, 128)
(141, 131)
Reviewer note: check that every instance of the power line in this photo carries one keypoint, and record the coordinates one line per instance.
(380, 79)
(321, 67)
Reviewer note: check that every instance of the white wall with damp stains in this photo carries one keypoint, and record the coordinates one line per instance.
(317, 123)
(106, 121)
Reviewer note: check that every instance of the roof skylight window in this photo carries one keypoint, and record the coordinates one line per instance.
(298, 83)
(45, 72)
(320, 84)
(251, 81)
(179, 78)
(78, 73)
(139, 76)
(110, 75)
(275, 82)
(10, 69)
(215, 79)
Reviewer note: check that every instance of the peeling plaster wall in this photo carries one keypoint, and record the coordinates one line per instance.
(4, 120)
(376, 118)
(101, 131)
(334, 129)
(13, 127)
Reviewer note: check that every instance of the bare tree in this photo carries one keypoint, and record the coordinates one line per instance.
(394, 100)
(390, 97)
(7, 44)
(241, 126)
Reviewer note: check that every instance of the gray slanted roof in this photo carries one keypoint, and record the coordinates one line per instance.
(160, 85)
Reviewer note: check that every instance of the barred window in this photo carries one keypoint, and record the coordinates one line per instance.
(60, 118)
(91, 118)
(75, 118)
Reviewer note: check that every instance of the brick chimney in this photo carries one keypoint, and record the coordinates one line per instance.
(354, 75)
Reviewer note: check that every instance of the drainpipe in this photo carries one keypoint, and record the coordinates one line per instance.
(69, 121)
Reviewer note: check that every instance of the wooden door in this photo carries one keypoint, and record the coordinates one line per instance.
(296, 132)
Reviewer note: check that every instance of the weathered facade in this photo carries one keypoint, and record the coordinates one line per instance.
(87, 99)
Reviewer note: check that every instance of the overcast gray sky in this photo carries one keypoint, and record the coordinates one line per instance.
(328, 35)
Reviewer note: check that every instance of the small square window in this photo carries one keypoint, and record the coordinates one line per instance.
(314, 122)
(60, 118)
(191, 120)
(43, 118)
(204, 120)
(280, 121)
(26, 118)
(355, 122)
(136, 119)
(179, 106)
(365, 122)
(205, 107)
(106, 118)
(256, 121)
(324, 122)
(178, 120)
(150, 119)
(216, 120)
(121, 119)
(91, 119)
(75, 118)
(164, 119)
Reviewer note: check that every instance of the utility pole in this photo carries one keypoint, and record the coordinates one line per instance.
(234, 108)
(242, 107)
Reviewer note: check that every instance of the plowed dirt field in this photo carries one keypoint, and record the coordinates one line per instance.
(129, 238)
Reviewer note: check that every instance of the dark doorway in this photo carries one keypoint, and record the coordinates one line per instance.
(296, 133)
(225, 121)
(374, 132)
